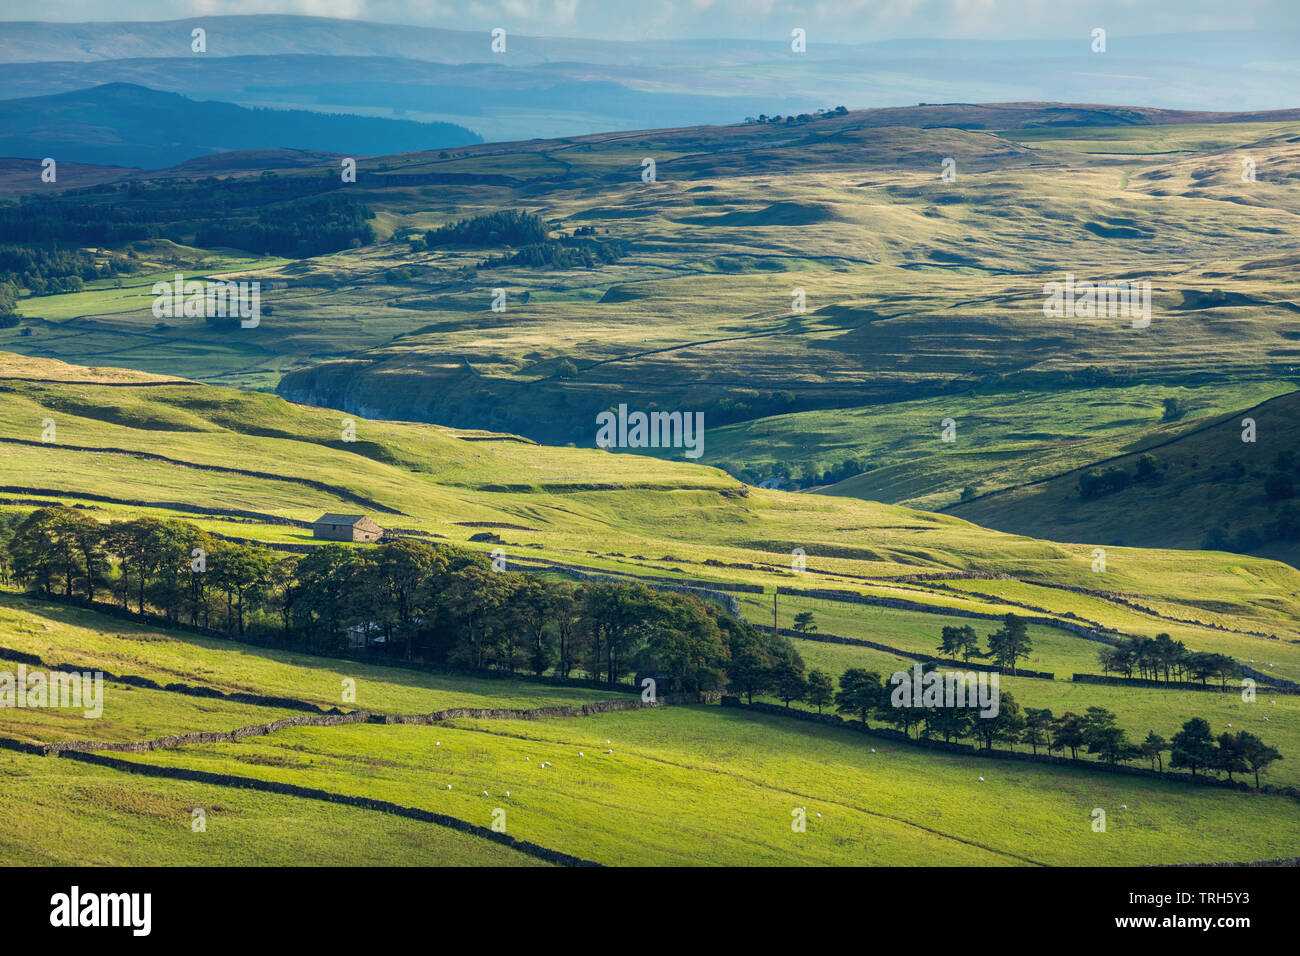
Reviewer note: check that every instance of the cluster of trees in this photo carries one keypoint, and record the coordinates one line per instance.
(1163, 658)
(1280, 483)
(1096, 482)
(530, 236)
(800, 118)
(447, 606)
(743, 404)
(407, 597)
(802, 474)
(507, 227)
(50, 270)
(1007, 645)
(1249, 539)
(561, 254)
(866, 695)
(1174, 408)
(109, 214)
(309, 228)
(8, 305)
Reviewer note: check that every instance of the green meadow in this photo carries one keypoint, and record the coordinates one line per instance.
(718, 787)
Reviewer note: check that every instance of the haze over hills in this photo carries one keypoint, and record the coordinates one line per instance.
(557, 86)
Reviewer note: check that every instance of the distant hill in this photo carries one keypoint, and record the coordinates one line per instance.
(19, 176)
(121, 124)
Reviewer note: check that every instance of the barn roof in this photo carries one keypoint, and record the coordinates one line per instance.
(338, 519)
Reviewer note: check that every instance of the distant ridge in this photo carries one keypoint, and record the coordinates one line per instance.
(119, 124)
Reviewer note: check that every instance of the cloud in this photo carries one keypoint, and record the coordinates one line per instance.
(842, 21)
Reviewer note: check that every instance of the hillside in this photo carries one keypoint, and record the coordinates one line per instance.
(423, 762)
(205, 453)
(1205, 488)
(923, 298)
(724, 780)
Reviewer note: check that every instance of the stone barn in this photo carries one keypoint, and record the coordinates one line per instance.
(346, 528)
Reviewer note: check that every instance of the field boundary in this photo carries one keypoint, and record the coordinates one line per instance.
(173, 741)
(968, 750)
(526, 847)
(335, 490)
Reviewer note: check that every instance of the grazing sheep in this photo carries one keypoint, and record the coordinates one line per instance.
(485, 793)
(981, 779)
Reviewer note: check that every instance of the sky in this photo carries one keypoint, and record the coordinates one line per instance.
(855, 21)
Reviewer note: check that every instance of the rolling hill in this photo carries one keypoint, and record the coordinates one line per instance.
(915, 310)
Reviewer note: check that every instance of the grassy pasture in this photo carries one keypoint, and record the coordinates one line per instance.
(648, 516)
(61, 813)
(708, 786)
(88, 640)
(1139, 710)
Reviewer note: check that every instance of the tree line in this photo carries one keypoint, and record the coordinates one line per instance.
(446, 606)
(867, 695)
(1163, 658)
(443, 605)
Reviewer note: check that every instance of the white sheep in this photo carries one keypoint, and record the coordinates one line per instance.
(981, 779)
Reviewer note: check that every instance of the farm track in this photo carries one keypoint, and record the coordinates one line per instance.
(222, 469)
(165, 505)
